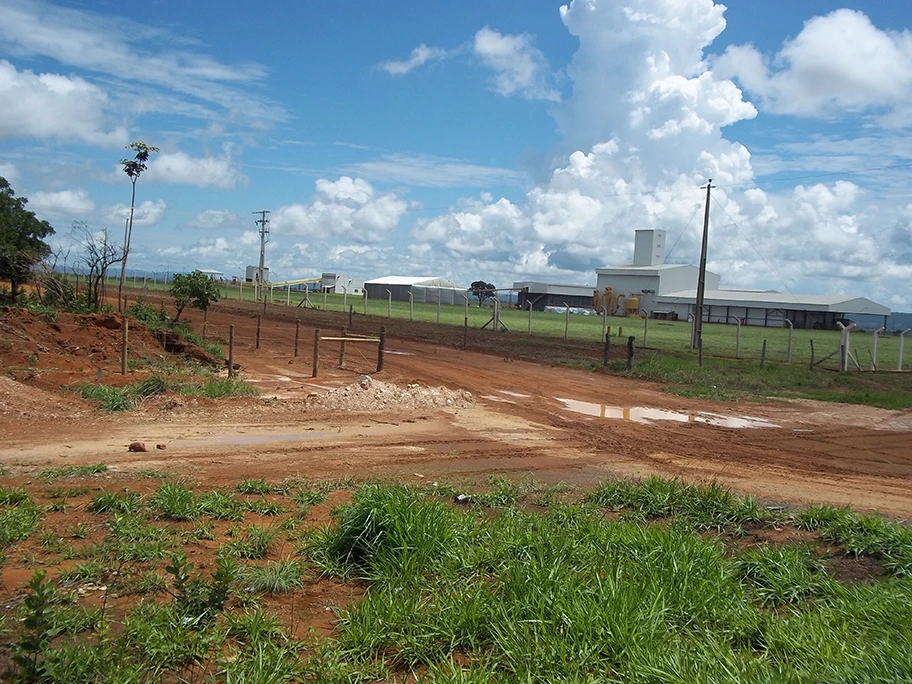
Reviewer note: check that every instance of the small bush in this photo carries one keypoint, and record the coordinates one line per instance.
(274, 578)
(174, 501)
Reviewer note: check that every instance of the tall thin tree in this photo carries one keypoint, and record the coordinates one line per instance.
(134, 169)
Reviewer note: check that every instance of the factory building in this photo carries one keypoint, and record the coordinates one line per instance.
(423, 289)
(670, 291)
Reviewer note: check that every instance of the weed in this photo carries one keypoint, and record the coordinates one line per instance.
(254, 625)
(305, 498)
(262, 507)
(220, 506)
(18, 523)
(37, 630)
(73, 471)
(112, 502)
(780, 574)
(90, 571)
(108, 398)
(256, 486)
(196, 598)
(174, 501)
(79, 531)
(14, 496)
(254, 545)
(274, 577)
(154, 473)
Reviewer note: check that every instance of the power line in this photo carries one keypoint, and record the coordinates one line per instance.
(263, 222)
(768, 265)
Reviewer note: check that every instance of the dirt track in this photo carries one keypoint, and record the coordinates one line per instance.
(818, 452)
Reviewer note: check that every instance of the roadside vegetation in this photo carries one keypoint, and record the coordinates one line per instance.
(652, 581)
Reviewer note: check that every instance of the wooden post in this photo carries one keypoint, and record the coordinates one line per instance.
(567, 322)
(763, 354)
(342, 347)
(365, 302)
(351, 313)
(381, 348)
(700, 351)
(205, 322)
(123, 345)
(259, 324)
(438, 307)
(230, 351)
(411, 306)
(530, 318)
(465, 332)
(620, 331)
(288, 295)
(812, 354)
(389, 304)
(738, 340)
(645, 327)
(316, 356)
(297, 336)
(606, 352)
(630, 352)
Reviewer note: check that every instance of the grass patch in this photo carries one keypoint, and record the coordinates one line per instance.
(174, 501)
(124, 398)
(274, 577)
(73, 471)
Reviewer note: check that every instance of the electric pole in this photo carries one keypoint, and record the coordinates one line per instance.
(701, 281)
(263, 222)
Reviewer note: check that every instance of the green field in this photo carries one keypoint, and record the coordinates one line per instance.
(647, 582)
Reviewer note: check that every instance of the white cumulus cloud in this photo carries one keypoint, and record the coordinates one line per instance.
(54, 106)
(65, 204)
(348, 207)
(146, 213)
(209, 171)
(839, 62)
(519, 67)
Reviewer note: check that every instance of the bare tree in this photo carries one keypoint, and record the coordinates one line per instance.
(97, 255)
(134, 169)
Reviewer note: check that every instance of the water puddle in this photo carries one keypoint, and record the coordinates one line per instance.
(398, 353)
(245, 440)
(650, 416)
(514, 394)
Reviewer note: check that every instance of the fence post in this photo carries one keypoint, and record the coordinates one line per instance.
(606, 350)
(466, 298)
(123, 345)
(700, 351)
(567, 321)
(411, 306)
(530, 317)
(342, 347)
(241, 289)
(288, 295)
(205, 322)
(259, 325)
(344, 298)
(604, 319)
(788, 354)
(874, 350)
(297, 336)
(381, 348)
(389, 304)
(230, 351)
(738, 339)
(351, 315)
(316, 356)
(812, 354)
(763, 354)
(324, 299)
(645, 327)
(365, 302)
(630, 352)
(902, 338)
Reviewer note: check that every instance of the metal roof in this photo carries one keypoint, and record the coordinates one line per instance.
(845, 304)
(418, 281)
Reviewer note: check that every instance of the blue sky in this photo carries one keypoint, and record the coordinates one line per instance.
(504, 141)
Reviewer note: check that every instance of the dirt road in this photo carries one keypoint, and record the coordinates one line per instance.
(555, 423)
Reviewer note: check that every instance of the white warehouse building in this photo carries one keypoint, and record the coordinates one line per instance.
(670, 291)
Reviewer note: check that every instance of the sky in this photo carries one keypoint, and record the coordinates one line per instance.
(516, 140)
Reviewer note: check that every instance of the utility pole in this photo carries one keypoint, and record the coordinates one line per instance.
(263, 222)
(701, 280)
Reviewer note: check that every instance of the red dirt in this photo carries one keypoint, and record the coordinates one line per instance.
(821, 453)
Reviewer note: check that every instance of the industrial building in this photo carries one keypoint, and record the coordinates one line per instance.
(336, 283)
(542, 295)
(670, 291)
(250, 274)
(423, 289)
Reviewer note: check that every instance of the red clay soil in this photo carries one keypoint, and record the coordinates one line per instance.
(816, 452)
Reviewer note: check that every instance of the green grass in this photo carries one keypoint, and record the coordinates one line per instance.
(73, 471)
(124, 398)
(634, 582)
(573, 596)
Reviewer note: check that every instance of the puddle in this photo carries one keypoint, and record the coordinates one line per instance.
(491, 397)
(514, 394)
(650, 416)
(244, 440)
(398, 353)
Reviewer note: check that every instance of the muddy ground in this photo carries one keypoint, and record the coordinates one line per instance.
(436, 412)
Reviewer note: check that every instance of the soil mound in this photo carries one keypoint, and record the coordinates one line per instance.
(18, 400)
(368, 395)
